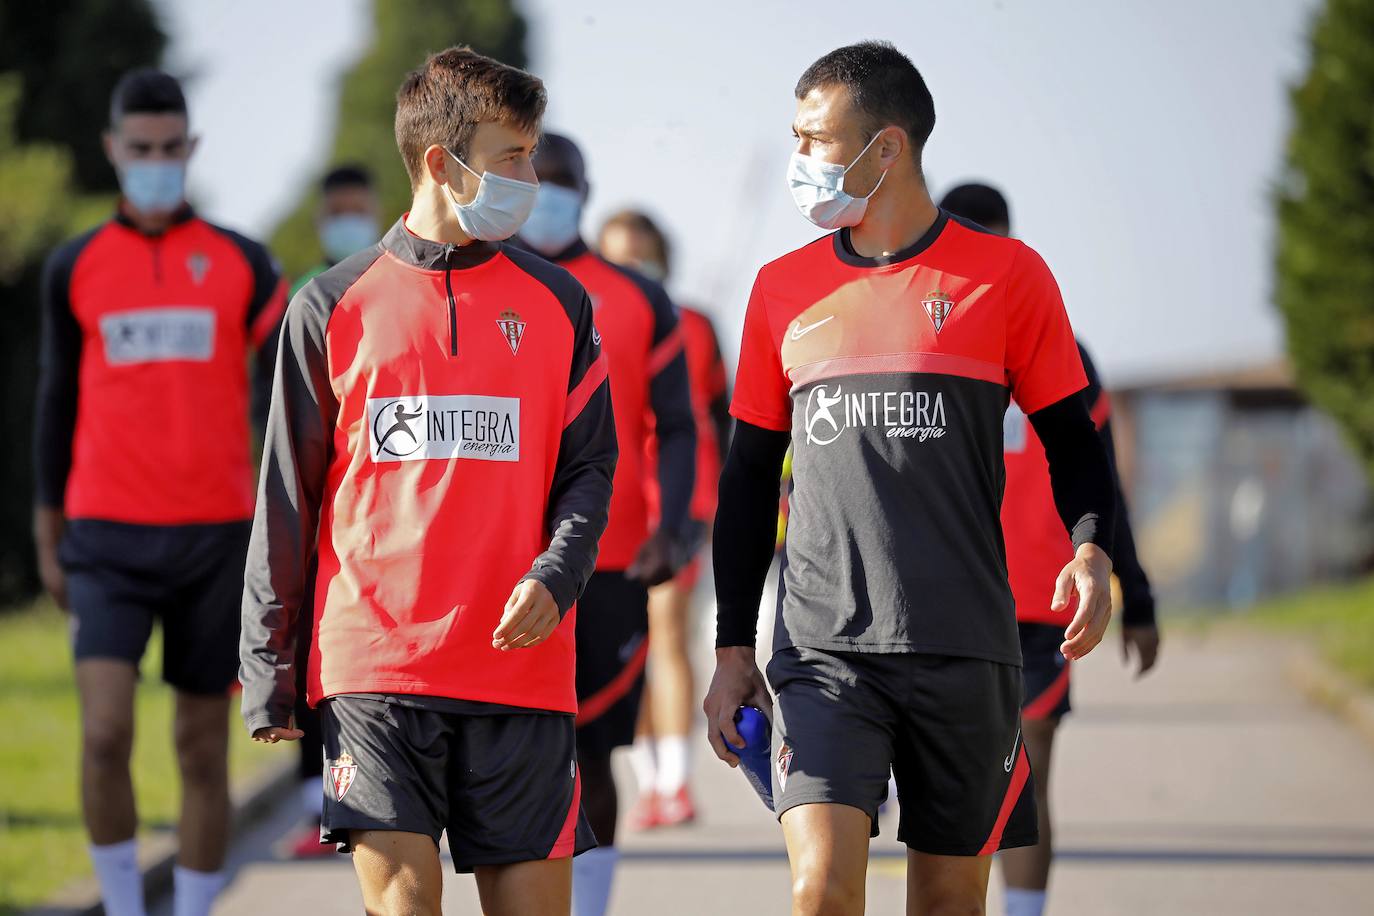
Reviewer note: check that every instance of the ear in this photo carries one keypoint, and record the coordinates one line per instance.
(437, 164)
(191, 145)
(892, 144)
(107, 143)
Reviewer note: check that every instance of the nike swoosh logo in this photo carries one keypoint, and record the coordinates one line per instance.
(798, 332)
(1006, 764)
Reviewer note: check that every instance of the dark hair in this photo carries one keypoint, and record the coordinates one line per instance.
(445, 99)
(639, 221)
(146, 90)
(346, 176)
(883, 84)
(981, 203)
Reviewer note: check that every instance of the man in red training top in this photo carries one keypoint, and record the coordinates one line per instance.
(144, 476)
(648, 379)
(437, 473)
(661, 754)
(1037, 548)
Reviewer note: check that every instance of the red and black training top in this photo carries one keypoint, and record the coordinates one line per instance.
(440, 429)
(143, 391)
(1038, 547)
(649, 386)
(892, 376)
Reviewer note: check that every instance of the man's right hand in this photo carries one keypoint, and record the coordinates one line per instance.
(737, 682)
(274, 733)
(48, 525)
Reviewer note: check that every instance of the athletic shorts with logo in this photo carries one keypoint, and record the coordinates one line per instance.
(1045, 672)
(946, 727)
(612, 648)
(501, 781)
(121, 577)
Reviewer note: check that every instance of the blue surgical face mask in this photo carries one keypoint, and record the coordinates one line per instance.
(554, 222)
(346, 234)
(153, 186)
(499, 209)
(818, 189)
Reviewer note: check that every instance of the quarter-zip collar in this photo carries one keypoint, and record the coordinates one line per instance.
(182, 214)
(409, 248)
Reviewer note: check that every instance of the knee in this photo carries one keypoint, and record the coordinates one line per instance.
(107, 745)
(824, 894)
(202, 753)
(954, 905)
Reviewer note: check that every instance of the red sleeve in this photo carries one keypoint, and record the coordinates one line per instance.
(1042, 356)
(760, 385)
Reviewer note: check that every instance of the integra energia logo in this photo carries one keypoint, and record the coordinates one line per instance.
(830, 411)
(444, 426)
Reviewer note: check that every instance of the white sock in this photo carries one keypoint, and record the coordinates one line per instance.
(1023, 902)
(592, 875)
(643, 764)
(121, 883)
(673, 760)
(312, 797)
(193, 892)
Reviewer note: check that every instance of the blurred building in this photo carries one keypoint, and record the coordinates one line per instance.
(1239, 489)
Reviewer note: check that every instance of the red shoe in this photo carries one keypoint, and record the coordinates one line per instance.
(306, 844)
(645, 814)
(676, 809)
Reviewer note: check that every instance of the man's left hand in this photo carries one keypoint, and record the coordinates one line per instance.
(531, 616)
(1089, 577)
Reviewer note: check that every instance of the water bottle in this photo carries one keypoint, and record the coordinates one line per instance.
(756, 757)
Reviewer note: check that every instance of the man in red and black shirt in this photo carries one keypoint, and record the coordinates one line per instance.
(648, 369)
(660, 757)
(144, 474)
(886, 353)
(1037, 548)
(436, 476)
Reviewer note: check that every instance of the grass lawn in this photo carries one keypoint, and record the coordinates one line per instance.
(42, 841)
(1338, 619)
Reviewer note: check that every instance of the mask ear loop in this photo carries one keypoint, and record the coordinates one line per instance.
(448, 188)
(851, 165)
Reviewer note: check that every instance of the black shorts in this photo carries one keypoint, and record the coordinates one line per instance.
(503, 784)
(1045, 673)
(121, 577)
(612, 647)
(946, 727)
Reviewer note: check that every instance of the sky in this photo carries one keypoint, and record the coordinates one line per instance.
(1137, 142)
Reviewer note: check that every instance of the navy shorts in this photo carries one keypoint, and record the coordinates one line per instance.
(612, 648)
(946, 727)
(502, 783)
(120, 578)
(1045, 672)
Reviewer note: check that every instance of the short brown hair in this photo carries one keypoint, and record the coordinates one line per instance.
(641, 222)
(445, 99)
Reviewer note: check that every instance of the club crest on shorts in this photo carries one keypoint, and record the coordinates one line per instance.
(341, 776)
(512, 329)
(938, 305)
(784, 765)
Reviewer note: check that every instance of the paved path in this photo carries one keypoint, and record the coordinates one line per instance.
(1208, 788)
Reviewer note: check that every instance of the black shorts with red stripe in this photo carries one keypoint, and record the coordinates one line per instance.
(501, 781)
(612, 648)
(1045, 672)
(946, 727)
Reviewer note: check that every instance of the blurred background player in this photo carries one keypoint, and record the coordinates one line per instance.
(347, 223)
(644, 349)
(144, 476)
(435, 480)
(661, 757)
(1037, 547)
(346, 219)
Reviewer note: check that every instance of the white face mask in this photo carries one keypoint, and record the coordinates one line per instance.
(553, 223)
(346, 234)
(500, 208)
(818, 190)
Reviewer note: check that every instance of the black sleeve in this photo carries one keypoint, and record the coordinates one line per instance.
(746, 529)
(263, 320)
(1138, 600)
(580, 498)
(297, 450)
(1079, 473)
(670, 398)
(59, 365)
(719, 407)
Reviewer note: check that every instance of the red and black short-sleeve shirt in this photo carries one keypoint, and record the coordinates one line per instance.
(893, 375)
